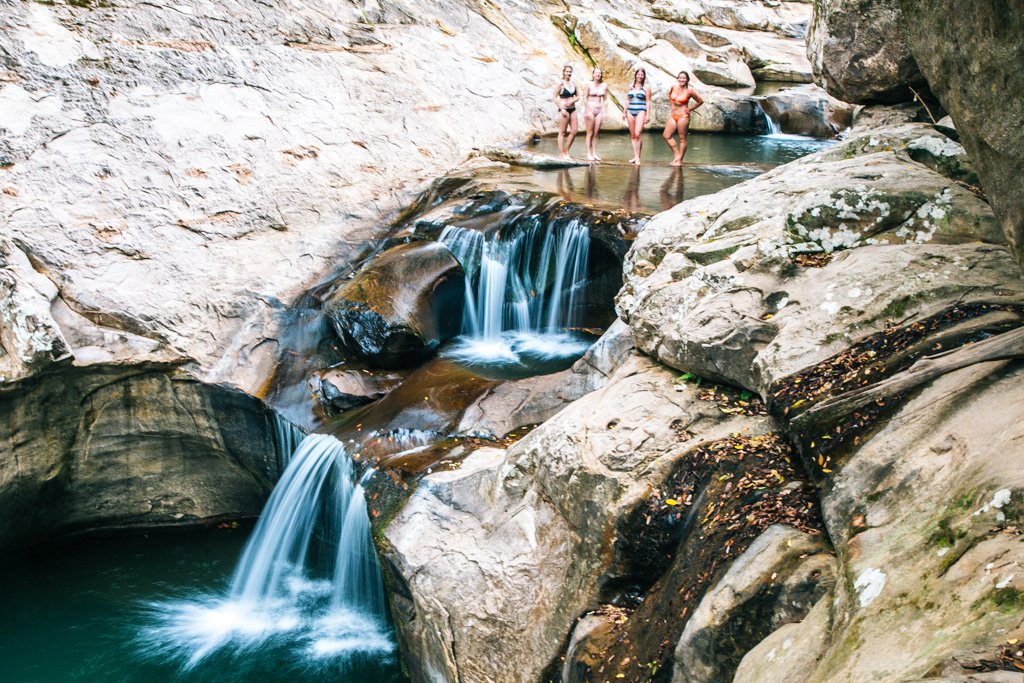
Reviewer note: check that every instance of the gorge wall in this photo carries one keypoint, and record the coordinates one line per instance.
(807, 469)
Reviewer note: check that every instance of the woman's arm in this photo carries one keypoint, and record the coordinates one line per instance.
(555, 96)
(697, 98)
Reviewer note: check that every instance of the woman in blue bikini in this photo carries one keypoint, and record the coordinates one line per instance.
(565, 98)
(636, 112)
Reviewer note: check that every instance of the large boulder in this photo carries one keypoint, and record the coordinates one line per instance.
(807, 110)
(859, 53)
(728, 286)
(493, 563)
(972, 56)
(777, 581)
(112, 445)
(400, 307)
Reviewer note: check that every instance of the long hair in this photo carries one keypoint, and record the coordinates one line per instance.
(639, 71)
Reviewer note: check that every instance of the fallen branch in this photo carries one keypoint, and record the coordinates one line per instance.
(1000, 347)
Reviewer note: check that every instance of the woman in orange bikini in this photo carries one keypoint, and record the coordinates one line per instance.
(594, 95)
(679, 96)
(565, 99)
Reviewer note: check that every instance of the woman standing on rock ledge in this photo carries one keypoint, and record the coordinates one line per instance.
(566, 97)
(679, 97)
(636, 112)
(594, 95)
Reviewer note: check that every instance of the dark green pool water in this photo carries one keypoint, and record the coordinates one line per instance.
(80, 613)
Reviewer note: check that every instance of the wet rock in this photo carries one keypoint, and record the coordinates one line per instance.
(859, 53)
(117, 446)
(518, 157)
(962, 52)
(728, 301)
(344, 388)
(808, 110)
(777, 581)
(531, 529)
(400, 307)
(792, 652)
(530, 401)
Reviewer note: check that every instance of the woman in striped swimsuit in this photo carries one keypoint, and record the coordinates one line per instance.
(636, 112)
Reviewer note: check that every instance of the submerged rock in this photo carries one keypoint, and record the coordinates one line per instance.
(400, 307)
(344, 388)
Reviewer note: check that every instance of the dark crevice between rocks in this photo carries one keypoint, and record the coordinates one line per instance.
(717, 499)
(824, 437)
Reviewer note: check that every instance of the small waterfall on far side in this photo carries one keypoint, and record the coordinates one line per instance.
(308, 576)
(774, 127)
(524, 287)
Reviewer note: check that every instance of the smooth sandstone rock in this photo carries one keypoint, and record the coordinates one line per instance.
(971, 58)
(808, 110)
(400, 307)
(711, 287)
(920, 514)
(777, 581)
(116, 446)
(859, 53)
(528, 532)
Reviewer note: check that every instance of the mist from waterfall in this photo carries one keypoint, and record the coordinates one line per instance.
(308, 579)
(524, 288)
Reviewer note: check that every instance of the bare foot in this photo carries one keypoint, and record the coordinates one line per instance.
(591, 157)
(597, 158)
(676, 162)
(633, 160)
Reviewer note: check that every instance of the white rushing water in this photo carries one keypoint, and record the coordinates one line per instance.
(524, 287)
(308, 578)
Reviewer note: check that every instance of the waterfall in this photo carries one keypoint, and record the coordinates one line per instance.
(286, 439)
(774, 128)
(308, 575)
(528, 279)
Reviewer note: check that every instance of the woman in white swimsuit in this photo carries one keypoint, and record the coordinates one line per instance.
(594, 95)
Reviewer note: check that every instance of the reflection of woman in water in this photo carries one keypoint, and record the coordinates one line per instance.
(679, 96)
(594, 95)
(631, 200)
(638, 97)
(565, 99)
(670, 196)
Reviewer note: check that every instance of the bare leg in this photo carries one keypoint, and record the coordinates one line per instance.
(573, 129)
(598, 117)
(670, 130)
(641, 119)
(684, 128)
(631, 124)
(563, 123)
(589, 120)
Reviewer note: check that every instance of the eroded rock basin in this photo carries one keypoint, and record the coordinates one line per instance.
(477, 390)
